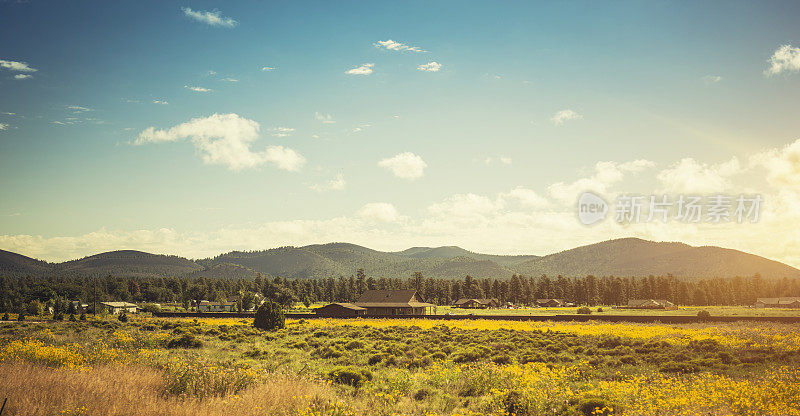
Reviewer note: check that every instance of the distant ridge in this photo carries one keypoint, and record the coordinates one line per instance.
(621, 257)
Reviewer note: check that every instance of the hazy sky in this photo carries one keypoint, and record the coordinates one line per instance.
(195, 128)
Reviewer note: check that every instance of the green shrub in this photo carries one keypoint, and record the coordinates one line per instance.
(678, 367)
(350, 376)
(584, 311)
(353, 345)
(269, 317)
(123, 317)
(595, 406)
(599, 309)
(83, 316)
(704, 314)
(185, 341)
(421, 394)
(514, 403)
(375, 359)
(501, 359)
(72, 317)
(6, 317)
(21, 316)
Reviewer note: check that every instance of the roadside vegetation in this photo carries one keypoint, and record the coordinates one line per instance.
(152, 366)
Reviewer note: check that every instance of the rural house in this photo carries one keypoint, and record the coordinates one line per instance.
(336, 310)
(119, 307)
(650, 304)
(468, 303)
(393, 302)
(206, 306)
(787, 302)
(549, 303)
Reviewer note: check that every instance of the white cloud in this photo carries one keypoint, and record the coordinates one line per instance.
(502, 159)
(405, 165)
(365, 69)
(526, 197)
(268, 68)
(23, 76)
(16, 66)
(711, 79)
(77, 109)
(163, 102)
(562, 116)
(210, 18)
(782, 165)
(324, 118)
(785, 59)
(361, 127)
(691, 176)
(225, 139)
(396, 46)
(430, 67)
(3, 126)
(336, 184)
(606, 174)
(379, 211)
(282, 131)
(197, 89)
(229, 80)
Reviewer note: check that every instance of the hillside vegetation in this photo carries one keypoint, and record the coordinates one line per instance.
(621, 257)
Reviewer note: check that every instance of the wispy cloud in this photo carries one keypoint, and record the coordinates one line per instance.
(23, 76)
(268, 68)
(225, 139)
(711, 79)
(281, 131)
(324, 118)
(213, 18)
(336, 184)
(405, 165)
(163, 102)
(563, 116)
(430, 67)
(16, 66)
(396, 46)
(365, 69)
(3, 126)
(784, 59)
(197, 89)
(77, 109)
(229, 80)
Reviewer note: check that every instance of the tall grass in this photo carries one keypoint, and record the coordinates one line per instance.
(124, 390)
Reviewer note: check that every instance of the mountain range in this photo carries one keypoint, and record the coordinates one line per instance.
(620, 257)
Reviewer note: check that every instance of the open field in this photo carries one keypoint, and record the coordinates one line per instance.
(608, 310)
(152, 366)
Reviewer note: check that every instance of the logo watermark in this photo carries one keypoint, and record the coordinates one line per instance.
(635, 209)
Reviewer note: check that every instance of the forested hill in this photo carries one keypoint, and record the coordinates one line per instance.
(621, 257)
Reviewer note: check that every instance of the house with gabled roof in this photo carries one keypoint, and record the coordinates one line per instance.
(784, 302)
(393, 302)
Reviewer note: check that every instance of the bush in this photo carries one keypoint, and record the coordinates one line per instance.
(123, 317)
(599, 309)
(421, 394)
(353, 345)
(151, 307)
(21, 316)
(6, 317)
(584, 311)
(704, 314)
(375, 359)
(72, 317)
(269, 317)
(514, 403)
(350, 376)
(83, 316)
(501, 359)
(185, 341)
(595, 406)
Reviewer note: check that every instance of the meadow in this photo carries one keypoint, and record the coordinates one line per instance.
(155, 366)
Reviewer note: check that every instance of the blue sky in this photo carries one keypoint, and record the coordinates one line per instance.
(525, 104)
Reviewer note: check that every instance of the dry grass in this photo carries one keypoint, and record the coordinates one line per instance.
(117, 389)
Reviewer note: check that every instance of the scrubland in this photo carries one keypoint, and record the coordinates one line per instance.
(151, 366)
